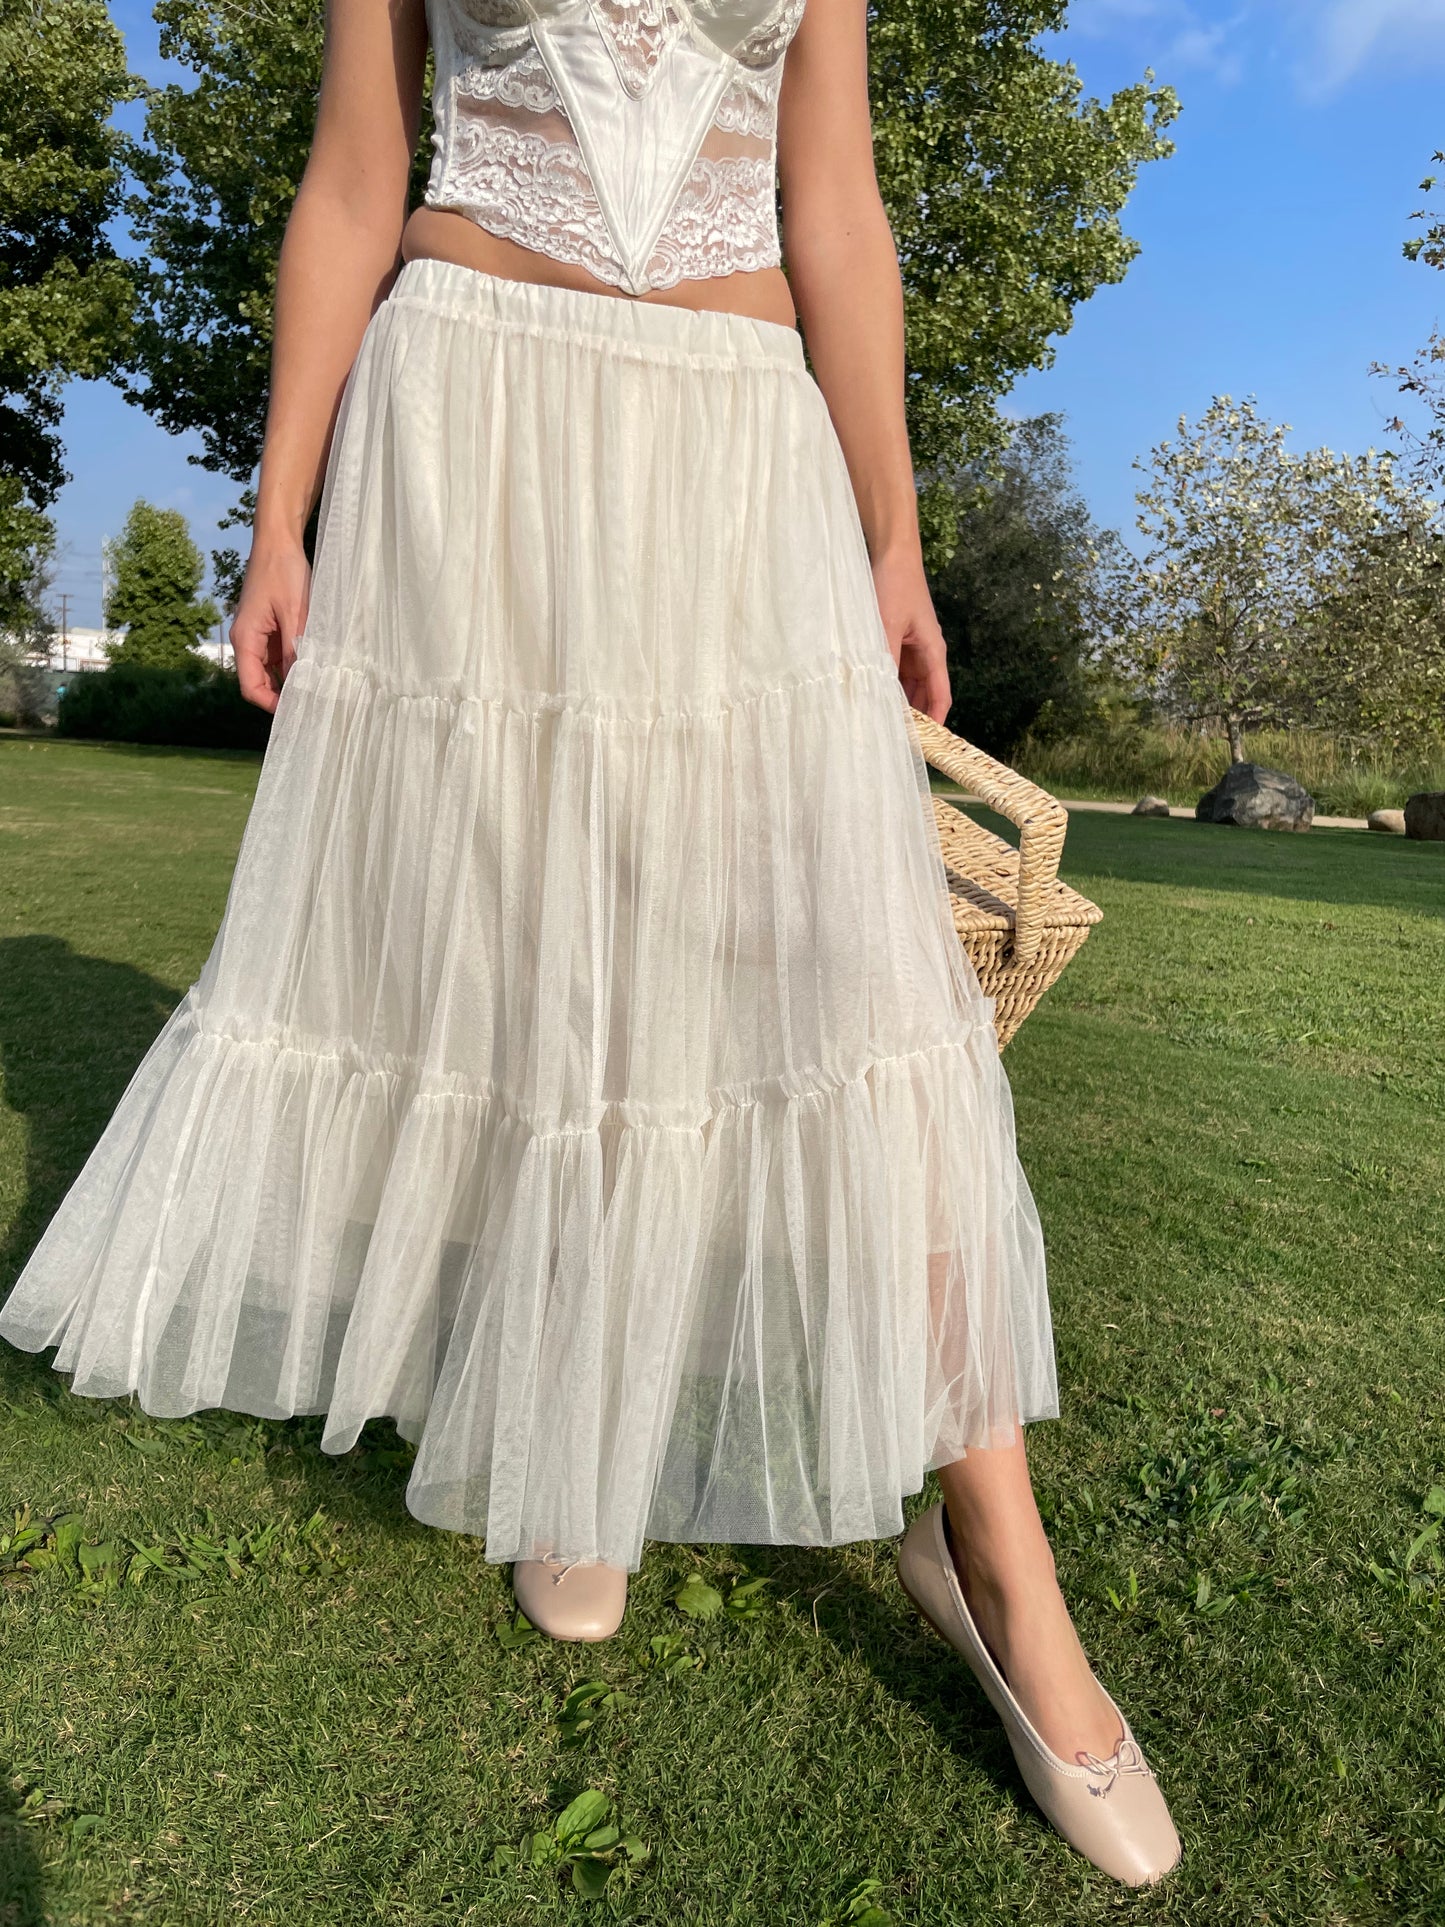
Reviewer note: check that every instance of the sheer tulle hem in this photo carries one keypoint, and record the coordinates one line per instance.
(763, 1327)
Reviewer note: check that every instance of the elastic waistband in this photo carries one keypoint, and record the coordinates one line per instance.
(654, 329)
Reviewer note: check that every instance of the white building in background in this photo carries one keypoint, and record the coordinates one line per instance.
(86, 649)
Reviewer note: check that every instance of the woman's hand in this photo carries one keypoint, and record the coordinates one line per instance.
(913, 634)
(269, 620)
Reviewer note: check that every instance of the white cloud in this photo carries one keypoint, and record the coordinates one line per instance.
(1175, 36)
(1215, 49)
(1327, 43)
(1347, 36)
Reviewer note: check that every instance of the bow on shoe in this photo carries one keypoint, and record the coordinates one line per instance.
(1126, 1758)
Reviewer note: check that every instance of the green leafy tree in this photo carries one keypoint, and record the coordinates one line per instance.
(1004, 185)
(1015, 599)
(155, 597)
(27, 556)
(1279, 588)
(216, 174)
(1370, 661)
(27, 549)
(1422, 380)
(1005, 189)
(65, 298)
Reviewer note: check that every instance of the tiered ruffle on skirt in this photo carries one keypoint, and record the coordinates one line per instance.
(586, 1073)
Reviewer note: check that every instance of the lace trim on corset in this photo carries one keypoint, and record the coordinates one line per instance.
(770, 39)
(537, 192)
(750, 105)
(534, 191)
(722, 222)
(497, 13)
(638, 33)
(525, 84)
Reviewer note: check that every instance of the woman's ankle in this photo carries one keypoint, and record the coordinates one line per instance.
(1008, 1571)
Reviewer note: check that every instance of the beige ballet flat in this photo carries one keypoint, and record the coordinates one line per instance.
(1110, 1810)
(569, 1601)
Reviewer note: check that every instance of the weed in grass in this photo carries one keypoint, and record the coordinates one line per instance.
(1127, 1601)
(585, 1706)
(1211, 1601)
(1416, 1575)
(746, 1599)
(1219, 1465)
(584, 1844)
(697, 1599)
(1076, 1518)
(57, 1549)
(514, 1630)
(861, 1909)
(234, 1437)
(672, 1656)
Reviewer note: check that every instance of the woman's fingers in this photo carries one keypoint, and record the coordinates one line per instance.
(251, 640)
(269, 621)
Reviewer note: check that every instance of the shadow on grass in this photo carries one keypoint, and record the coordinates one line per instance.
(21, 1900)
(1324, 866)
(72, 1030)
(909, 1661)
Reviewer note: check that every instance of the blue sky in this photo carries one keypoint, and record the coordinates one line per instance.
(1271, 260)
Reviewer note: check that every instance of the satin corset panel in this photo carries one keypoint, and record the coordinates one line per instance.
(633, 138)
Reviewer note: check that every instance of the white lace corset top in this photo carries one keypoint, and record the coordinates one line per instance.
(633, 138)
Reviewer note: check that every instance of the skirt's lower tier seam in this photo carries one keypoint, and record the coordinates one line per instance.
(453, 694)
(796, 1087)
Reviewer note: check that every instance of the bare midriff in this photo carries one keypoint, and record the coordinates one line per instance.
(435, 234)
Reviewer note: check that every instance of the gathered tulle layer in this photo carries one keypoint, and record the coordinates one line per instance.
(586, 1074)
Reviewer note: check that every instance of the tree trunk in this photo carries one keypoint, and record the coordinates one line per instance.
(1235, 726)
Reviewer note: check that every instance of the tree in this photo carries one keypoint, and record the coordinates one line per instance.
(1423, 379)
(27, 549)
(216, 174)
(1279, 588)
(1004, 186)
(158, 571)
(65, 298)
(1015, 597)
(1005, 189)
(1371, 655)
(27, 553)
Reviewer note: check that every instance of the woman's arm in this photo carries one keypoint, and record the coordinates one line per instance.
(843, 269)
(339, 257)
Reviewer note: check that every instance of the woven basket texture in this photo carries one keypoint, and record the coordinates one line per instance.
(1018, 922)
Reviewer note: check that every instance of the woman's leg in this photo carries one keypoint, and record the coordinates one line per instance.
(1006, 1569)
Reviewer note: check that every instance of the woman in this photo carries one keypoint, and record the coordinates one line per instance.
(586, 1074)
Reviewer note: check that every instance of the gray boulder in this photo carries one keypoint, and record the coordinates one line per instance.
(1257, 798)
(1387, 822)
(1150, 806)
(1425, 816)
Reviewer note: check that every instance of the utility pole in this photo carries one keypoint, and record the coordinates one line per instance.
(64, 629)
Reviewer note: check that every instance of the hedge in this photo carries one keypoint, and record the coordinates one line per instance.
(200, 708)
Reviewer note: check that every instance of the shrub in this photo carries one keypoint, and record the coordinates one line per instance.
(1129, 758)
(200, 708)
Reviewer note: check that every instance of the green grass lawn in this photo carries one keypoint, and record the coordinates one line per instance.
(242, 1685)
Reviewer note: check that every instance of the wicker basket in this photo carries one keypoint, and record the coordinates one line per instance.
(1019, 924)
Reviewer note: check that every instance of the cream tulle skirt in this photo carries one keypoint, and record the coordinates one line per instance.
(586, 1074)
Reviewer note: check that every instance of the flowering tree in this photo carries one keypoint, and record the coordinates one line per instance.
(1282, 588)
(1423, 379)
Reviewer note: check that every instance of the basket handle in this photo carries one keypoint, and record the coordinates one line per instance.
(1042, 821)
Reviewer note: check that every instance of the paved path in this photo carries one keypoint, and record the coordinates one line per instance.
(1177, 809)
